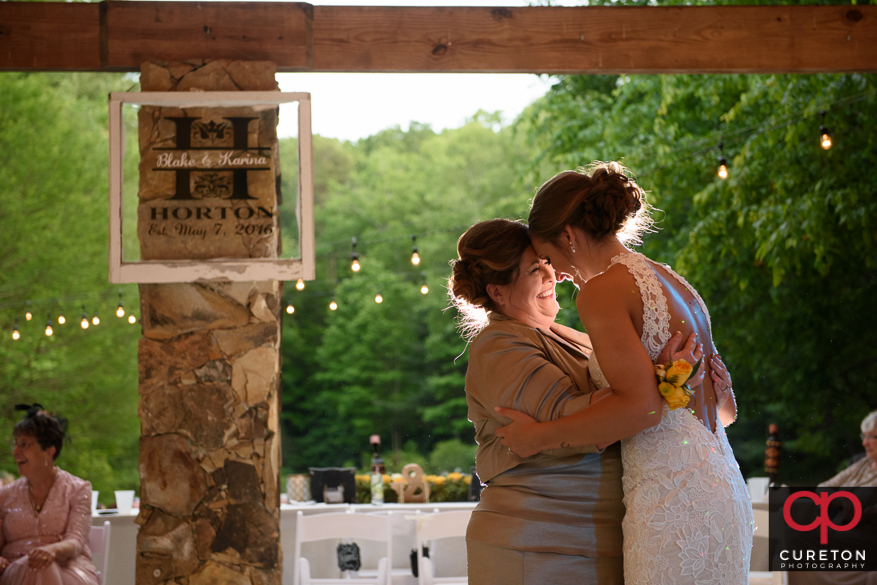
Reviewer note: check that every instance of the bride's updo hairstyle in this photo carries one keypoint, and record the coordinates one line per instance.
(600, 199)
(489, 252)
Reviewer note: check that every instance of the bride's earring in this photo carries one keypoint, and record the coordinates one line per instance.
(572, 247)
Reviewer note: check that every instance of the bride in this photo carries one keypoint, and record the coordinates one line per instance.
(689, 519)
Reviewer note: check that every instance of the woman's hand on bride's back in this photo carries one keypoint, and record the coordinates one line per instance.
(518, 435)
(692, 352)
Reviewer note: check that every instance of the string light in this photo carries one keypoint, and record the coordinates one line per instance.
(378, 298)
(825, 138)
(120, 311)
(132, 319)
(354, 265)
(300, 285)
(424, 289)
(333, 305)
(415, 257)
(61, 318)
(15, 333)
(49, 326)
(28, 315)
(290, 309)
(95, 320)
(723, 168)
(84, 322)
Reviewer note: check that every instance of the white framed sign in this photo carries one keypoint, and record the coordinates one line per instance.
(219, 208)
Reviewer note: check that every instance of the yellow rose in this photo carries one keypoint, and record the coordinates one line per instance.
(666, 389)
(455, 476)
(386, 479)
(436, 479)
(679, 372)
(467, 480)
(678, 399)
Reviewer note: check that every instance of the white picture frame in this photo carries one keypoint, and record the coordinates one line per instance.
(219, 269)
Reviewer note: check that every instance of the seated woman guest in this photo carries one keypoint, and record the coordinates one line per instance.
(556, 517)
(45, 516)
(862, 473)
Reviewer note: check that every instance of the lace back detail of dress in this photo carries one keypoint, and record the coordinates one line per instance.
(656, 314)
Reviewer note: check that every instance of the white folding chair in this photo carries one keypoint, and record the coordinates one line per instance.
(99, 543)
(342, 526)
(431, 527)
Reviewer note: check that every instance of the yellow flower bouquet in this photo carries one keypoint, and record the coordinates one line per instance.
(673, 382)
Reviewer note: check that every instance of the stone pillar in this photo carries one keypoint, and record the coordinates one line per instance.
(209, 357)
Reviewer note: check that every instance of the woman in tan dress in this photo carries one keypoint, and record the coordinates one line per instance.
(554, 517)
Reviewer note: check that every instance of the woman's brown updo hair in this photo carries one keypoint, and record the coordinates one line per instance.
(600, 199)
(489, 252)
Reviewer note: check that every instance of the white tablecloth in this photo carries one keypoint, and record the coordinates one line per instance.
(123, 542)
(123, 545)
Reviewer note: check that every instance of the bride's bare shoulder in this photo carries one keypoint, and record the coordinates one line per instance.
(609, 288)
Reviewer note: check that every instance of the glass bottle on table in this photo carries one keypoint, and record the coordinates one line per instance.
(377, 471)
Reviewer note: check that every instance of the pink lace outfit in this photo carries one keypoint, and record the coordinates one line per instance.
(66, 515)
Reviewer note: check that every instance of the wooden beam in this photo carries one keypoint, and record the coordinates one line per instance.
(176, 31)
(37, 36)
(120, 35)
(700, 39)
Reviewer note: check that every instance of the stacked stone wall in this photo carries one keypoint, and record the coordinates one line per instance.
(209, 359)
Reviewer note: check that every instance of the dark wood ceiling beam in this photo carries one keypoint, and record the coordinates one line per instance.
(119, 36)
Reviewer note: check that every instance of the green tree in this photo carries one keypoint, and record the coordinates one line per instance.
(783, 251)
(53, 161)
(390, 368)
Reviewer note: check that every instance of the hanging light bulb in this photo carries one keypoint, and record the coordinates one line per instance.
(723, 164)
(95, 320)
(28, 315)
(825, 135)
(120, 311)
(290, 309)
(300, 285)
(415, 257)
(354, 265)
(49, 326)
(423, 288)
(15, 333)
(378, 298)
(132, 319)
(84, 322)
(61, 318)
(333, 305)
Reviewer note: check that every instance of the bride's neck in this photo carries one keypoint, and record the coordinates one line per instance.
(597, 256)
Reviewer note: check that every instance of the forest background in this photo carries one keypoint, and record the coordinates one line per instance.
(783, 252)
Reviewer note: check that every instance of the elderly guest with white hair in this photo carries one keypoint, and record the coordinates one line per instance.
(862, 473)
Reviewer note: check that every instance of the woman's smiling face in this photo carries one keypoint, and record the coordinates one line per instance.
(563, 269)
(29, 455)
(531, 297)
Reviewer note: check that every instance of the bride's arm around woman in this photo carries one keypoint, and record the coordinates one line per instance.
(688, 517)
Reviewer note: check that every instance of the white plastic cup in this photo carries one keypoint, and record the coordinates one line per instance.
(94, 494)
(124, 501)
(758, 488)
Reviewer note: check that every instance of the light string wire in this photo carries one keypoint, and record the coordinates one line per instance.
(332, 248)
(755, 131)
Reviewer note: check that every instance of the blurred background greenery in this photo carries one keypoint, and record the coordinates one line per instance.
(783, 252)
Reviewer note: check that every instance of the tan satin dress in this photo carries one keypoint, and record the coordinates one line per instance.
(555, 517)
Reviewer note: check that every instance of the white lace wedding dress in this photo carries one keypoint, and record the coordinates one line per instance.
(689, 518)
